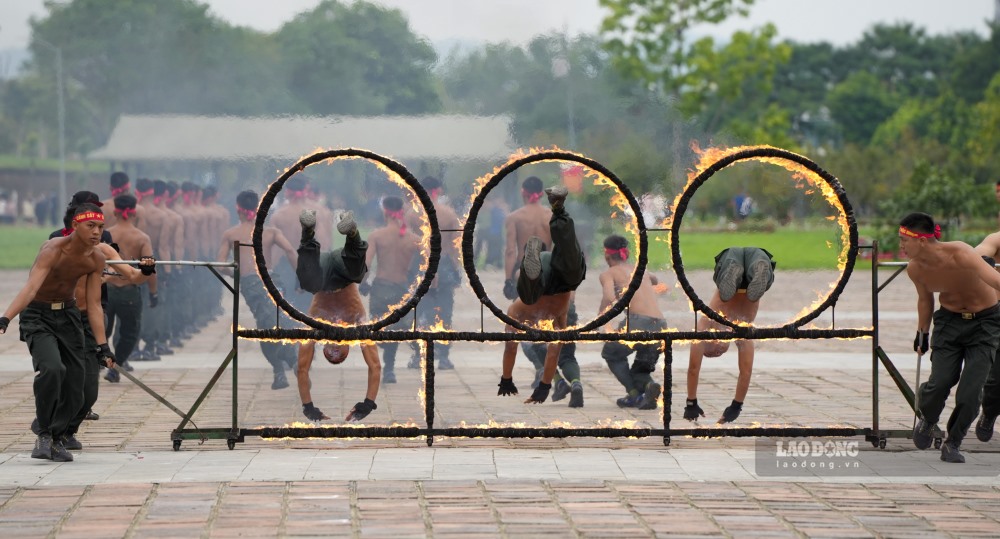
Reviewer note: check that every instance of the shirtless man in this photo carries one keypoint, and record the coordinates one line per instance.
(545, 287)
(392, 248)
(280, 356)
(532, 220)
(92, 363)
(742, 275)
(966, 328)
(125, 298)
(51, 325)
(120, 185)
(643, 315)
(286, 219)
(174, 324)
(989, 249)
(439, 301)
(332, 278)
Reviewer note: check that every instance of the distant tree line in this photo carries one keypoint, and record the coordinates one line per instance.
(896, 113)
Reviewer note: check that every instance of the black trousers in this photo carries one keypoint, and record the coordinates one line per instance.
(92, 376)
(124, 312)
(638, 376)
(962, 352)
(55, 340)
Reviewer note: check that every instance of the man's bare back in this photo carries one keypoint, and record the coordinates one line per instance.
(393, 253)
(956, 272)
(286, 219)
(643, 302)
(532, 219)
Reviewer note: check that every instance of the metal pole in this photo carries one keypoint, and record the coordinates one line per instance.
(62, 129)
(61, 113)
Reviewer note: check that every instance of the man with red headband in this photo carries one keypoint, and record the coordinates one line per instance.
(545, 288)
(280, 356)
(119, 185)
(52, 326)
(392, 248)
(966, 328)
(742, 275)
(643, 315)
(438, 304)
(332, 278)
(989, 249)
(125, 299)
(533, 220)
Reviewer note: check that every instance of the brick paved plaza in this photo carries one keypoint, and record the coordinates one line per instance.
(129, 482)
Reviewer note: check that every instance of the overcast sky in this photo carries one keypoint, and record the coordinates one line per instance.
(839, 22)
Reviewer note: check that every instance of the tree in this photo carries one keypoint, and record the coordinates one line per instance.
(647, 39)
(358, 59)
(731, 86)
(859, 105)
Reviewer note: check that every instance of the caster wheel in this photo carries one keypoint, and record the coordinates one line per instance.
(177, 445)
(231, 444)
(937, 443)
(881, 444)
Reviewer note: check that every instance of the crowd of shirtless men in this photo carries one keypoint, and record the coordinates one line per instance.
(543, 266)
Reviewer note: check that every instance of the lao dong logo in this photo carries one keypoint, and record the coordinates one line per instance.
(817, 449)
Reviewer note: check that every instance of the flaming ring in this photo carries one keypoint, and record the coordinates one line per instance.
(414, 185)
(850, 226)
(468, 257)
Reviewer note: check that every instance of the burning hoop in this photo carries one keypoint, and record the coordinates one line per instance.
(391, 168)
(538, 156)
(799, 166)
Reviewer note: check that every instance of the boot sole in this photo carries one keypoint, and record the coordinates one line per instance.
(758, 280)
(533, 259)
(346, 225)
(730, 281)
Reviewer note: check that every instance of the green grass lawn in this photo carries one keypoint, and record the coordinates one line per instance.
(19, 245)
(792, 249)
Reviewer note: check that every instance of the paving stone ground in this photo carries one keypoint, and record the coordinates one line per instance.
(128, 482)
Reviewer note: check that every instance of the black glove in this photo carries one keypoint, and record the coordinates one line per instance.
(147, 269)
(361, 410)
(154, 300)
(104, 352)
(922, 342)
(510, 289)
(4, 322)
(541, 393)
(692, 411)
(312, 412)
(731, 412)
(507, 387)
(364, 288)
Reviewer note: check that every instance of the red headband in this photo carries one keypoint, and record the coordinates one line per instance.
(127, 213)
(623, 252)
(88, 216)
(532, 197)
(435, 193)
(398, 215)
(913, 234)
(297, 195)
(139, 195)
(115, 191)
(250, 214)
(188, 197)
